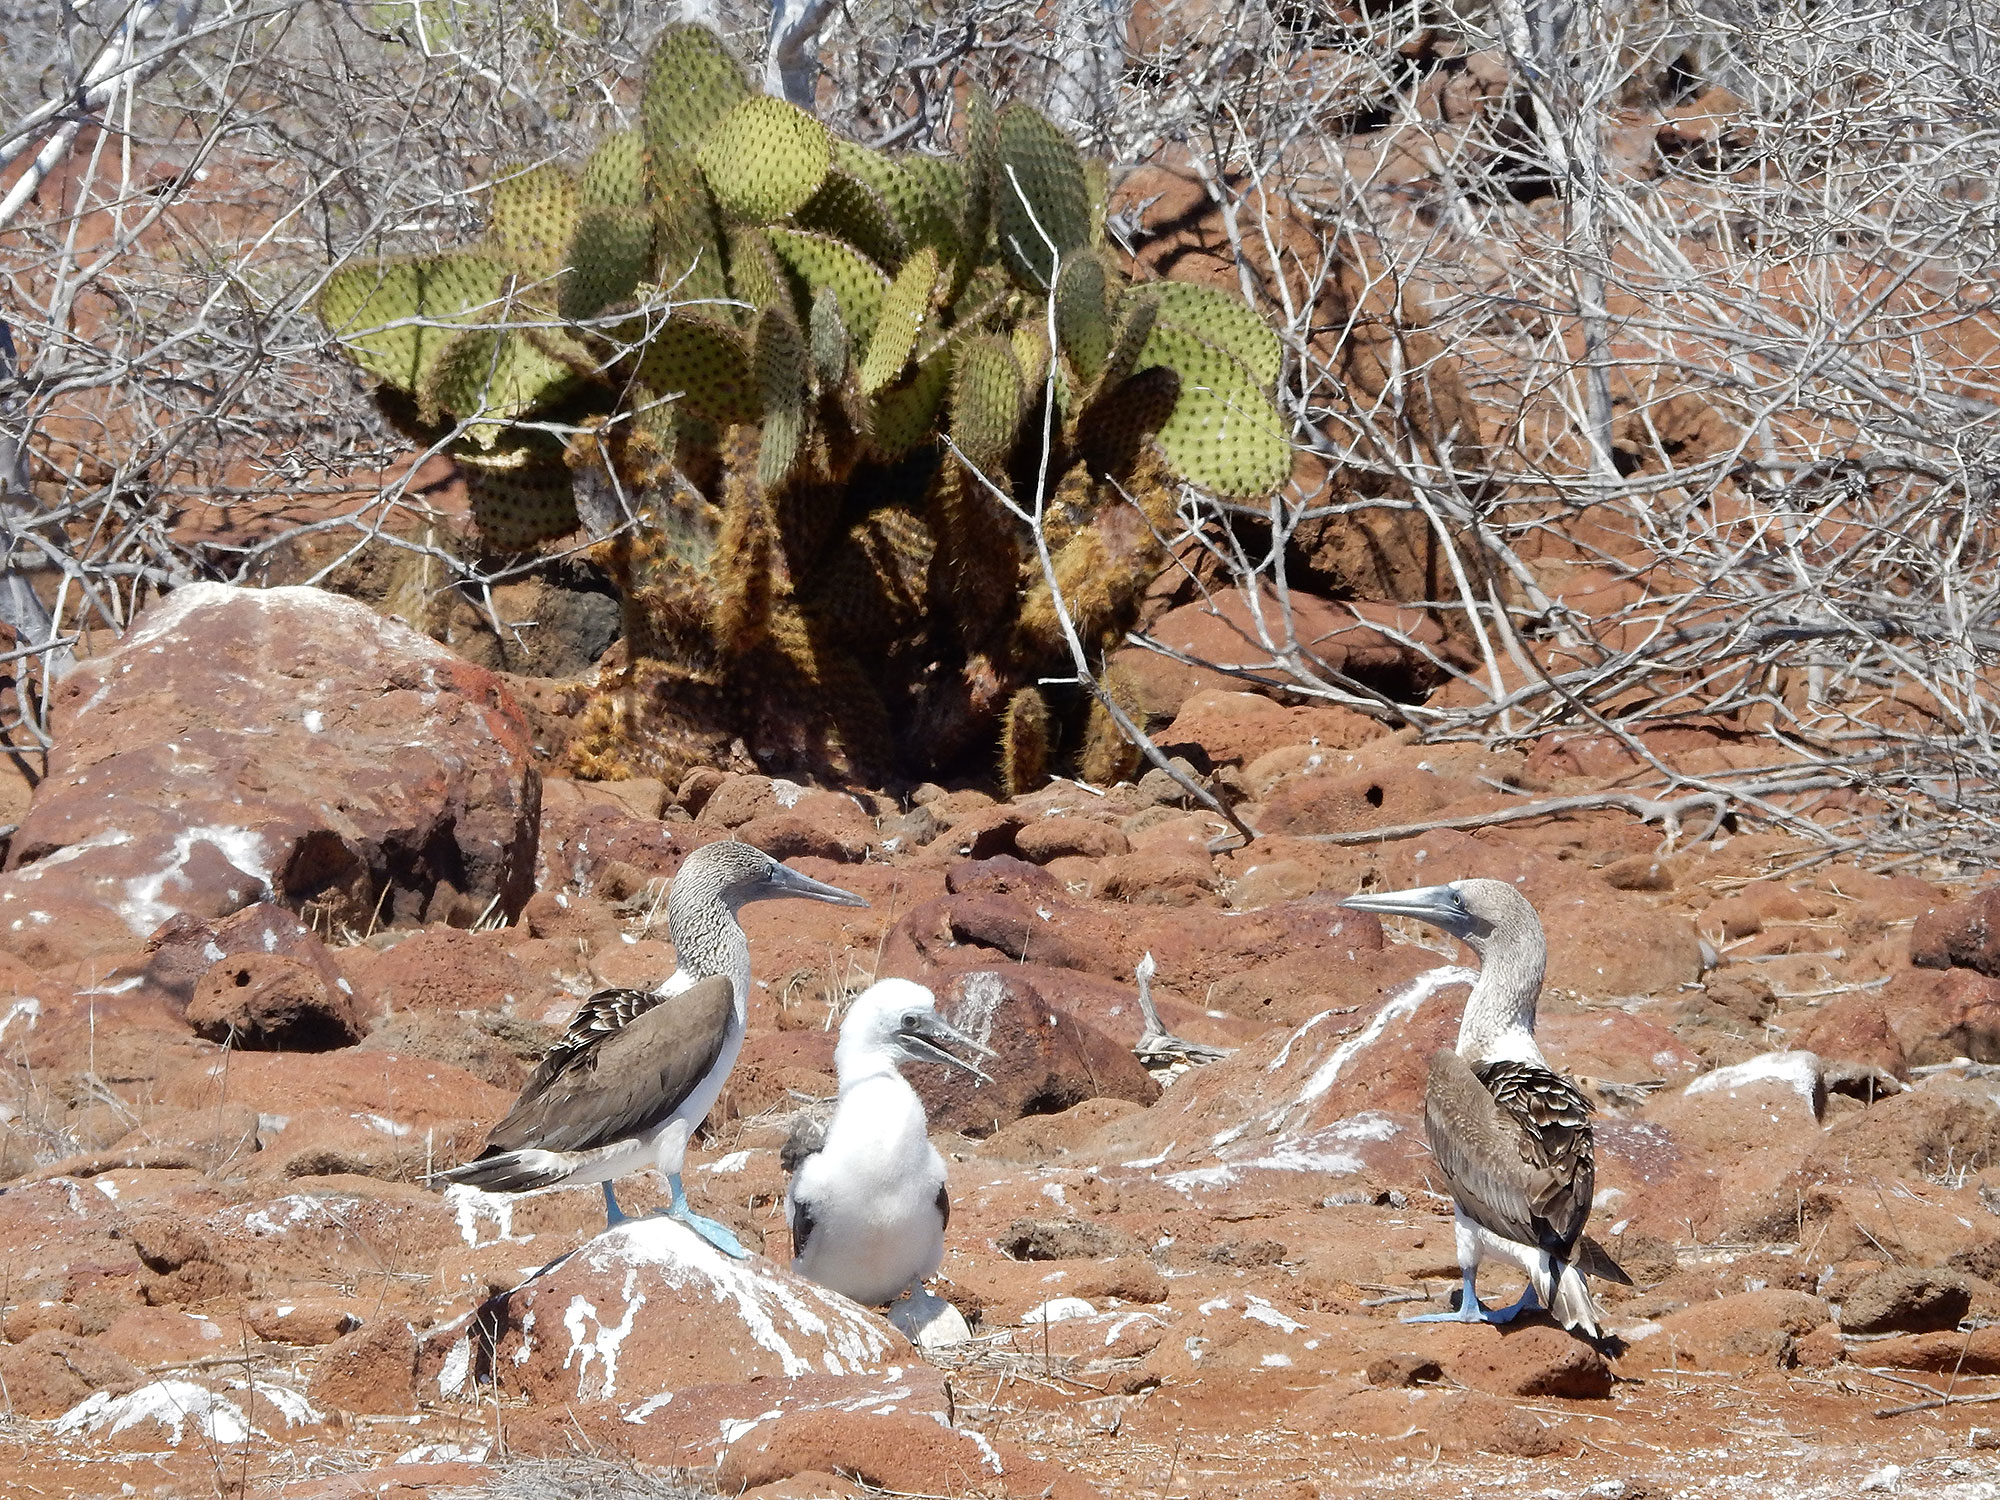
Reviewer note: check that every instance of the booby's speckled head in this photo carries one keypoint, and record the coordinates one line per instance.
(1477, 912)
(898, 1019)
(734, 873)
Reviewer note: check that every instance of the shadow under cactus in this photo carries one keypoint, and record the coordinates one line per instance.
(829, 411)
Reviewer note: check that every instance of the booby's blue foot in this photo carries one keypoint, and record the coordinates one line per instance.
(613, 1214)
(1469, 1310)
(716, 1234)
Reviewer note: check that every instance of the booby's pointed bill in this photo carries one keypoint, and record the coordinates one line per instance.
(924, 1036)
(785, 881)
(1439, 905)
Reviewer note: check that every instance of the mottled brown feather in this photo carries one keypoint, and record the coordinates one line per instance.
(610, 1085)
(1513, 1141)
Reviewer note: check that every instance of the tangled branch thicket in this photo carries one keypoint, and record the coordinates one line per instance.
(1641, 353)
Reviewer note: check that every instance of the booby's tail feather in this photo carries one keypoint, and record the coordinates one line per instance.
(1594, 1260)
(1572, 1305)
(509, 1171)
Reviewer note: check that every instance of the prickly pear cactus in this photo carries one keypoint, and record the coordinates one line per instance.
(831, 385)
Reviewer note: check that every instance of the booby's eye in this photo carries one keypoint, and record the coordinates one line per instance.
(912, 1020)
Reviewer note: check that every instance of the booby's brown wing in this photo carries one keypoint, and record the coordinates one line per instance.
(616, 1083)
(1513, 1141)
(604, 1012)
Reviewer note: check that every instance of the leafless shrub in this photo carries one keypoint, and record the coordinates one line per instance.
(1663, 327)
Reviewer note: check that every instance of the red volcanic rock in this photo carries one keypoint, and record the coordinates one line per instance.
(270, 1002)
(1928, 1129)
(649, 1307)
(51, 1372)
(1330, 802)
(1234, 728)
(1906, 1300)
(446, 969)
(185, 948)
(1056, 838)
(1520, 1359)
(1048, 1060)
(894, 1450)
(978, 929)
(406, 1093)
(183, 1260)
(1224, 631)
(197, 769)
(1962, 935)
(1001, 875)
(1939, 1015)
(1855, 1029)
(1162, 878)
(307, 1322)
(372, 1370)
(1749, 1331)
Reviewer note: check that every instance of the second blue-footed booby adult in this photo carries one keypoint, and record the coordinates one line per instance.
(1510, 1134)
(637, 1070)
(867, 1201)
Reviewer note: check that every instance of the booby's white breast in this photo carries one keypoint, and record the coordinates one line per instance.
(872, 1192)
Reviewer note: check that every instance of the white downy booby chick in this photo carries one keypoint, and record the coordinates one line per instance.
(867, 1201)
(1511, 1135)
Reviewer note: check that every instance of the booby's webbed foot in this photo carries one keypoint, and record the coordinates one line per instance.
(1473, 1314)
(718, 1235)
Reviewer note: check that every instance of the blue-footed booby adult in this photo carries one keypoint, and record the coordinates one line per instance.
(867, 1200)
(637, 1070)
(1510, 1134)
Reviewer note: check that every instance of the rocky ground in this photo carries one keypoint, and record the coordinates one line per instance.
(283, 929)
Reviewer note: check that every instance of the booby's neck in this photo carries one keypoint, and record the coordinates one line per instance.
(1499, 1021)
(858, 1061)
(707, 940)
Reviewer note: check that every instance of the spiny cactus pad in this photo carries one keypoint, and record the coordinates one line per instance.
(611, 254)
(707, 363)
(1026, 739)
(850, 208)
(906, 415)
(1082, 323)
(988, 397)
(831, 345)
(905, 308)
(521, 494)
(616, 174)
(764, 160)
(1041, 203)
(820, 260)
(691, 82)
(1225, 320)
(490, 373)
(532, 218)
(394, 317)
(1224, 433)
(755, 275)
(781, 368)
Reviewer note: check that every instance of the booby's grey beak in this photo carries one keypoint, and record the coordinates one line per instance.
(785, 881)
(924, 1036)
(1438, 905)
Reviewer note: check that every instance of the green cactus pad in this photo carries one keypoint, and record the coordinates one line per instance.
(764, 160)
(982, 162)
(938, 216)
(779, 362)
(819, 261)
(490, 373)
(707, 363)
(521, 494)
(687, 240)
(905, 416)
(615, 176)
(1030, 339)
(611, 254)
(1224, 434)
(988, 398)
(1137, 310)
(1113, 429)
(1225, 320)
(691, 82)
(849, 208)
(755, 276)
(394, 317)
(1082, 324)
(1040, 197)
(909, 302)
(831, 346)
(532, 219)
